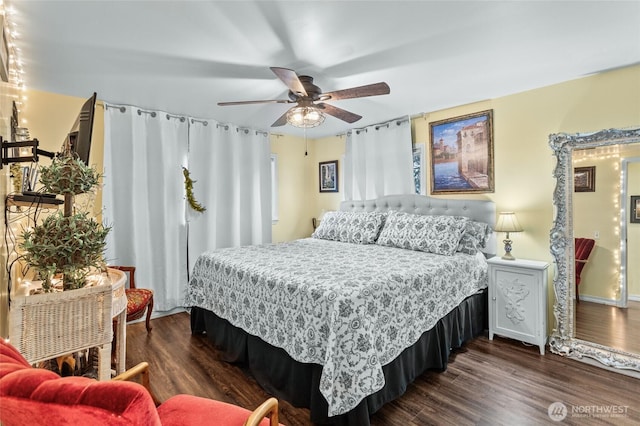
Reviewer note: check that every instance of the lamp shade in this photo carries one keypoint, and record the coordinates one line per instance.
(508, 222)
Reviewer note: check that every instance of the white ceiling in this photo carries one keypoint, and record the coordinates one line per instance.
(185, 56)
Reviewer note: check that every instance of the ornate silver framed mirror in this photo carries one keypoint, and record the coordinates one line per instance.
(563, 339)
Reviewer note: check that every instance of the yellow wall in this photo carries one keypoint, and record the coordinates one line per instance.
(298, 176)
(326, 149)
(293, 197)
(633, 232)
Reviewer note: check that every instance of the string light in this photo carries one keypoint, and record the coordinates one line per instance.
(15, 66)
(622, 250)
(15, 70)
(599, 153)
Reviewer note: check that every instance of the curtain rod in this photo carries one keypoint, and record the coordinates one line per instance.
(179, 117)
(119, 107)
(182, 119)
(123, 108)
(151, 113)
(195, 120)
(377, 126)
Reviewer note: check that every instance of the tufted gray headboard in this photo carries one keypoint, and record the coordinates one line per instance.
(478, 210)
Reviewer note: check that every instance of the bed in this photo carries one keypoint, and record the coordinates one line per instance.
(343, 321)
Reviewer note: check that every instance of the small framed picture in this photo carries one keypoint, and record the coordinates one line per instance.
(635, 209)
(584, 179)
(418, 169)
(328, 176)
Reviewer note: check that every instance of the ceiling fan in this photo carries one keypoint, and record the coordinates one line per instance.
(311, 106)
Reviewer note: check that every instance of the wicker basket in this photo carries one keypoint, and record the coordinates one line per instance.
(44, 326)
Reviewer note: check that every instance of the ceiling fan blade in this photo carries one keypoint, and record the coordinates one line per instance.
(290, 78)
(269, 101)
(358, 92)
(340, 113)
(280, 121)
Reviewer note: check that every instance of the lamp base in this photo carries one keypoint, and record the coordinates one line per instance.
(507, 249)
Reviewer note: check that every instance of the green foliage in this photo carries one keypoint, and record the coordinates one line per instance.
(188, 186)
(68, 175)
(70, 245)
(67, 244)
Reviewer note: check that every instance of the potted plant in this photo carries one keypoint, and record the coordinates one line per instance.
(68, 176)
(66, 243)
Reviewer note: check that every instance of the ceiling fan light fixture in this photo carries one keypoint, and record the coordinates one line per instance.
(305, 116)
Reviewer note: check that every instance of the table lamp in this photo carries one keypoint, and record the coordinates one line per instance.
(507, 222)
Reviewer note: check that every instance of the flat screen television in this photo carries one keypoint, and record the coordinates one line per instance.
(78, 141)
(80, 135)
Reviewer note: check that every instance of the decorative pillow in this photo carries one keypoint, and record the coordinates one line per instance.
(350, 227)
(433, 234)
(474, 237)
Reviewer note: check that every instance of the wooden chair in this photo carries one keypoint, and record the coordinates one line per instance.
(583, 247)
(139, 300)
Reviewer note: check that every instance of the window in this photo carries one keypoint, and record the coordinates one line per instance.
(274, 187)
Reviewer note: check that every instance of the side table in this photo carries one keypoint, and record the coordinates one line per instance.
(518, 300)
(49, 325)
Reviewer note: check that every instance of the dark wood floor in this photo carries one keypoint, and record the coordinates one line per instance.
(499, 382)
(609, 325)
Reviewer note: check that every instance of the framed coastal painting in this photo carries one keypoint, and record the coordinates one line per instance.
(328, 176)
(461, 151)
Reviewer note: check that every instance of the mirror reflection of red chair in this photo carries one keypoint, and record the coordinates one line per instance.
(583, 247)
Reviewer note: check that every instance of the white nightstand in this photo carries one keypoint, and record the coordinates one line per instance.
(518, 300)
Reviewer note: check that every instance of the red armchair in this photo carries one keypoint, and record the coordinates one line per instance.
(35, 396)
(583, 247)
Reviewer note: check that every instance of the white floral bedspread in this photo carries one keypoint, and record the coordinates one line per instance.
(349, 307)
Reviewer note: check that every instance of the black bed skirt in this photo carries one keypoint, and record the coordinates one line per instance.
(298, 382)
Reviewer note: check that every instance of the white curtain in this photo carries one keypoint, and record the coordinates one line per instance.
(144, 201)
(231, 167)
(379, 161)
